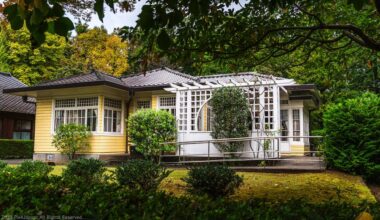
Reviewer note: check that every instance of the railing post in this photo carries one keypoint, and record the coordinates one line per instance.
(179, 153)
(208, 151)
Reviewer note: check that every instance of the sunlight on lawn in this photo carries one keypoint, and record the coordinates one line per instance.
(313, 187)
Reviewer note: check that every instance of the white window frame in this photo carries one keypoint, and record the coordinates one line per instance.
(113, 109)
(168, 108)
(143, 100)
(86, 108)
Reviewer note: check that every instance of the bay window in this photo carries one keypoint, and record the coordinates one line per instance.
(112, 115)
(82, 111)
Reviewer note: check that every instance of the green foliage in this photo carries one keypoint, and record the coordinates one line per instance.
(25, 193)
(142, 175)
(3, 164)
(213, 180)
(16, 149)
(4, 67)
(71, 138)
(352, 136)
(86, 170)
(33, 65)
(148, 128)
(231, 113)
(36, 167)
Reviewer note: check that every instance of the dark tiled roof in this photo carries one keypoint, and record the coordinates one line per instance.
(12, 103)
(158, 77)
(91, 79)
(239, 77)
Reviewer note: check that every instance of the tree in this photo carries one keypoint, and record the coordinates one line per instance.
(4, 67)
(95, 49)
(33, 65)
(71, 138)
(231, 113)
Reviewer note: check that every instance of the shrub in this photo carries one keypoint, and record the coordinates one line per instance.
(352, 136)
(141, 174)
(16, 149)
(85, 170)
(3, 164)
(213, 180)
(71, 138)
(231, 113)
(35, 167)
(149, 128)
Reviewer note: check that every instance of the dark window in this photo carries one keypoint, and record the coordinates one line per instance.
(22, 129)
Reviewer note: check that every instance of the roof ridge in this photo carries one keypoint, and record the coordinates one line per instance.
(180, 73)
(241, 73)
(97, 72)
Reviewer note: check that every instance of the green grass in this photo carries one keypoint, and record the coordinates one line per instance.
(313, 187)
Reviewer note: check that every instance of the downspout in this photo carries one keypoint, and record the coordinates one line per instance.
(131, 94)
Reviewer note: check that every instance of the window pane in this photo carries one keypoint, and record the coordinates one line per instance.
(143, 104)
(92, 119)
(118, 121)
(284, 124)
(296, 124)
(59, 118)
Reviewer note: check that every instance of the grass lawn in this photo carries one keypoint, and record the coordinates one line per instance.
(314, 187)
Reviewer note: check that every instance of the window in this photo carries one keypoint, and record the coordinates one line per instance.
(296, 124)
(142, 104)
(284, 125)
(168, 104)
(22, 129)
(112, 115)
(82, 111)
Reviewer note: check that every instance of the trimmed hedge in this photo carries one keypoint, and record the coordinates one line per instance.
(16, 149)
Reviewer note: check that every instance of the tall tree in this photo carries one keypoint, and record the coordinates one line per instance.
(95, 49)
(33, 65)
(4, 67)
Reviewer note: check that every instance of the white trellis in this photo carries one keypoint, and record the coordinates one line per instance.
(262, 94)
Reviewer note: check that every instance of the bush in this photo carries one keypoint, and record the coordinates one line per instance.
(149, 128)
(231, 113)
(85, 170)
(35, 167)
(3, 164)
(141, 174)
(352, 136)
(213, 180)
(71, 138)
(16, 149)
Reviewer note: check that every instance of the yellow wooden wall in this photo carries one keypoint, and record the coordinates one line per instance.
(100, 142)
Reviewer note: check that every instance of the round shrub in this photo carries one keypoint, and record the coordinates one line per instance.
(149, 128)
(35, 167)
(141, 174)
(87, 170)
(71, 138)
(352, 136)
(231, 113)
(213, 180)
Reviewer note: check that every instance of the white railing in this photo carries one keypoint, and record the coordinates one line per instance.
(262, 154)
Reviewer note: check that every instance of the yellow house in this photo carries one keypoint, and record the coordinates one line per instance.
(103, 103)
